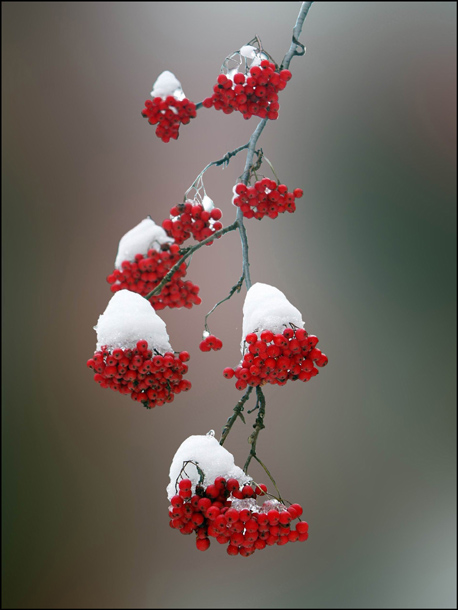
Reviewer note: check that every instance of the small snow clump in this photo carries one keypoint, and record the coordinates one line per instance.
(167, 84)
(147, 234)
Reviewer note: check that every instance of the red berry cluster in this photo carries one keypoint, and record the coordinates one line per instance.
(145, 273)
(190, 218)
(168, 114)
(255, 95)
(211, 343)
(265, 198)
(277, 358)
(149, 378)
(214, 512)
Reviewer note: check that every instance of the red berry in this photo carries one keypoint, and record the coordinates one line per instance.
(185, 484)
(247, 491)
(302, 527)
(232, 485)
(204, 346)
(218, 344)
(298, 509)
(202, 544)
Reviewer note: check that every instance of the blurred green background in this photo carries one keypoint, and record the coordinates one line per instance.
(367, 128)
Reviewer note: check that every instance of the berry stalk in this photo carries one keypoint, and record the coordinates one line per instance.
(237, 413)
(235, 288)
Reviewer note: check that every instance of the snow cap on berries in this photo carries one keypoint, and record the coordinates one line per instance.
(167, 84)
(207, 203)
(258, 58)
(267, 308)
(212, 459)
(248, 51)
(129, 318)
(147, 234)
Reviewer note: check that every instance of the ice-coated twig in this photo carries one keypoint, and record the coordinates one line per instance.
(295, 38)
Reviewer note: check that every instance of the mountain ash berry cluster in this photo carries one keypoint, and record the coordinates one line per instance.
(168, 114)
(231, 515)
(146, 272)
(277, 358)
(265, 198)
(150, 378)
(191, 219)
(254, 95)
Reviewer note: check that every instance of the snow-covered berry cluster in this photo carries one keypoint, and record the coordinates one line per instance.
(254, 95)
(146, 272)
(150, 378)
(210, 343)
(265, 198)
(192, 219)
(277, 358)
(168, 114)
(230, 513)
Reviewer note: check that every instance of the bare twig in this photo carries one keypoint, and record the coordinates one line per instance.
(235, 288)
(223, 161)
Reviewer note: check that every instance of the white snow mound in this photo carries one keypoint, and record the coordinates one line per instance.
(207, 203)
(257, 60)
(248, 51)
(211, 458)
(147, 234)
(267, 308)
(129, 318)
(167, 84)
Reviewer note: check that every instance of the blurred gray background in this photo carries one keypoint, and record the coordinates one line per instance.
(367, 128)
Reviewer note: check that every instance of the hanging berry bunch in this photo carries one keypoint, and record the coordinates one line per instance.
(192, 219)
(265, 198)
(253, 90)
(141, 268)
(270, 354)
(133, 354)
(277, 358)
(149, 377)
(169, 107)
(224, 506)
(241, 525)
(209, 343)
